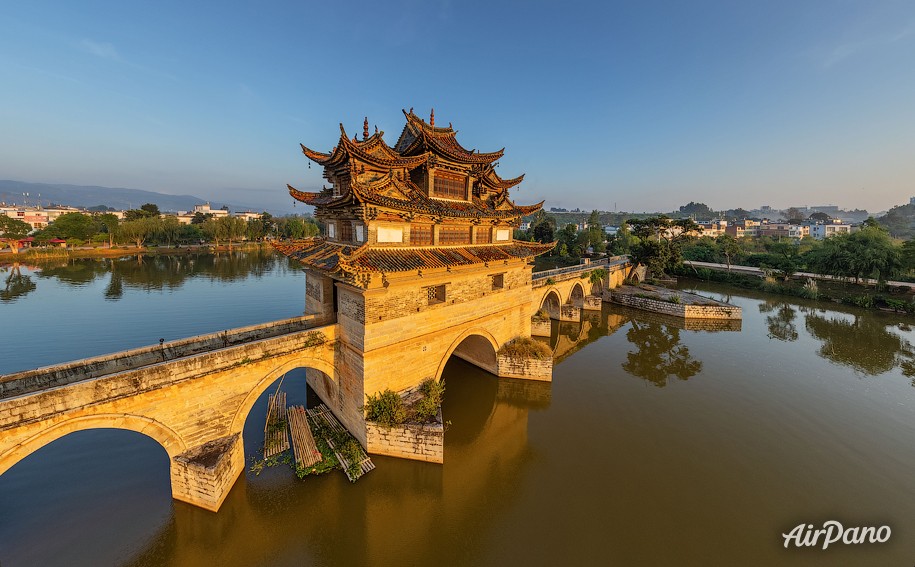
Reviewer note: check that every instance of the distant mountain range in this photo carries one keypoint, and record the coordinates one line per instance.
(116, 197)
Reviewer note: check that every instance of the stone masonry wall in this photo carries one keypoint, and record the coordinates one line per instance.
(78, 370)
(204, 475)
(408, 441)
(527, 368)
(678, 309)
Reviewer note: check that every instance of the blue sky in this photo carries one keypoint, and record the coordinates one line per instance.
(627, 105)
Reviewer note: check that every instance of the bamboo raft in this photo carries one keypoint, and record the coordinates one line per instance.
(303, 442)
(276, 436)
(321, 416)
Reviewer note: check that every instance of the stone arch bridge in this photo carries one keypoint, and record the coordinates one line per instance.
(193, 395)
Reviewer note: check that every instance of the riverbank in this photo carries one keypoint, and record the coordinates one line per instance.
(895, 298)
(39, 254)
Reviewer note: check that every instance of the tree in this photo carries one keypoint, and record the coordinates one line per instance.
(868, 253)
(13, 230)
(660, 242)
(700, 211)
(793, 214)
(169, 230)
(819, 217)
(151, 209)
(200, 218)
(738, 214)
(72, 225)
(596, 278)
(543, 228)
(148, 210)
(234, 228)
(728, 246)
(137, 231)
(784, 258)
(109, 223)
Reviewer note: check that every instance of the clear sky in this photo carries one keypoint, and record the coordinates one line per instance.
(633, 105)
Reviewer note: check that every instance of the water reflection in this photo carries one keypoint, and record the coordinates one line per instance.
(862, 342)
(16, 284)
(144, 272)
(660, 355)
(781, 323)
(403, 512)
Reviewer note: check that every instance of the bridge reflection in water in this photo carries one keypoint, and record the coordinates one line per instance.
(391, 513)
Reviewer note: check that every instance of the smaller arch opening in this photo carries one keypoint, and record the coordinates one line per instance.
(551, 304)
(577, 297)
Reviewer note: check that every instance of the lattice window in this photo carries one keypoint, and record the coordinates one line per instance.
(454, 235)
(346, 231)
(484, 235)
(498, 281)
(421, 234)
(449, 186)
(435, 294)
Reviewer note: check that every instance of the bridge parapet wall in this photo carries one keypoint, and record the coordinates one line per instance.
(20, 383)
(22, 407)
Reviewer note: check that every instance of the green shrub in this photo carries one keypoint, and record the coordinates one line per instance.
(386, 408)
(426, 408)
(525, 347)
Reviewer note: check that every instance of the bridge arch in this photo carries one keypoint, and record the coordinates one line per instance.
(477, 346)
(162, 434)
(577, 295)
(551, 302)
(241, 414)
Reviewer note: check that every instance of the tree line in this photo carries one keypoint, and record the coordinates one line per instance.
(144, 227)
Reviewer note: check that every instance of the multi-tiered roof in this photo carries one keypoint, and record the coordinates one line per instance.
(426, 203)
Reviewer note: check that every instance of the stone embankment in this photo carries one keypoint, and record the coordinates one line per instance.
(674, 302)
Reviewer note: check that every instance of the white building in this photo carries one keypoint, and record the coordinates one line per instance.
(825, 230)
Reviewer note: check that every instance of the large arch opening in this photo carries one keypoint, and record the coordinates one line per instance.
(478, 351)
(305, 382)
(551, 304)
(110, 486)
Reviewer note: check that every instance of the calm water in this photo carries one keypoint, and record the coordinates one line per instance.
(654, 445)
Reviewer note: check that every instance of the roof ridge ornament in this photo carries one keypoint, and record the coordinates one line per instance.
(365, 129)
(432, 118)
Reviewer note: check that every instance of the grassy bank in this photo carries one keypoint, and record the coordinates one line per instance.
(888, 298)
(38, 254)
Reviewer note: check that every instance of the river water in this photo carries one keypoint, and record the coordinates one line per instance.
(656, 443)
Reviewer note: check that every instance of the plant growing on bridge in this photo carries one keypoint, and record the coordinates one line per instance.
(597, 277)
(313, 339)
(386, 408)
(425, 409)
(525, 347)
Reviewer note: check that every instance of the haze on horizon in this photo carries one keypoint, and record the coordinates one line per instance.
(635, 106)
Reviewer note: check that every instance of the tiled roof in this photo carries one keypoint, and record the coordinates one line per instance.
(351, 263)
(402, 195)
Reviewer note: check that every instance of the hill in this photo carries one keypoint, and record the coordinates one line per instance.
(117, 197)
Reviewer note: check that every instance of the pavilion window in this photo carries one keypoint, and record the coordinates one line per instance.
(421, 234)
(484, 235)
(346, 231)
(331, 230)
(449, 186)
(498, 281)
(435, 294)
(454, 235)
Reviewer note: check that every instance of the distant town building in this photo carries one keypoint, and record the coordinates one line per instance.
(746, 228)
(825, 230)
(712, 228)
(783, 230)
